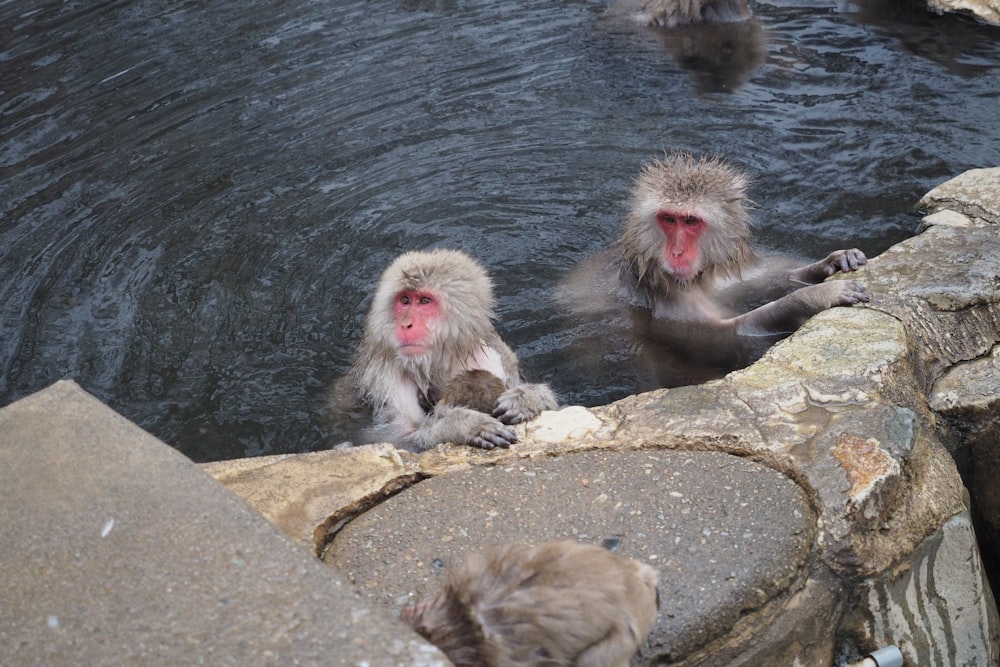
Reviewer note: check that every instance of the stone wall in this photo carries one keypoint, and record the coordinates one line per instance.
(987, 11)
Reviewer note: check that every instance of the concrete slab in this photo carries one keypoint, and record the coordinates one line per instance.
(728, 534)
(117, 550)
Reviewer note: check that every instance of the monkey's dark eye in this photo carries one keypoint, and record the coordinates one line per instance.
(691, 220)
(424, 300)
(668, 219)
(404, 299)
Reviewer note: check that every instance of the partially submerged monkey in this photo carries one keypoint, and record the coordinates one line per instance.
(431, 321)
(558, 603)
(683, 276)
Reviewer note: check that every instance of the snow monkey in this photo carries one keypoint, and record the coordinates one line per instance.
(695, 297)
(671, 13)
(558, 603)
(430, 320)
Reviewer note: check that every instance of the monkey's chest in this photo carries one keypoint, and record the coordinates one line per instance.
(687, 306)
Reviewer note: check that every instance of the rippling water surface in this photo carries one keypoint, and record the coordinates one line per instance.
(195, 197)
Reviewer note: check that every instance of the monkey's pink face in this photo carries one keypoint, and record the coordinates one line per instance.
(680, 249)
(414, 312)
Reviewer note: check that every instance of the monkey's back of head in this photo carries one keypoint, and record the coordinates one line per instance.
(559, 603)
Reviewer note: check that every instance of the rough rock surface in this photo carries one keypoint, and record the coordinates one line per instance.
(987, 11)
(967, 395)
(933, 599)
(352, 479)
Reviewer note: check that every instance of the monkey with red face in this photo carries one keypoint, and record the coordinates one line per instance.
(696, 297)
(430, 322)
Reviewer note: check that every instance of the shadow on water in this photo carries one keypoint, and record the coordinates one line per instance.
(195, 199)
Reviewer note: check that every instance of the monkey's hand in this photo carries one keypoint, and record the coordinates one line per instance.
(839, 261)
(468, 427)
(835, 293)
(524, 402)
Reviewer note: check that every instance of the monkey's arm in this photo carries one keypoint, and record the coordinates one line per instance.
(591, 288)
(789, 312)
(402, 420)
(774, 276)
(461, 426)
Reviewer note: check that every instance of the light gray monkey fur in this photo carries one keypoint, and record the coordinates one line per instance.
(398, 388)
(558, 603)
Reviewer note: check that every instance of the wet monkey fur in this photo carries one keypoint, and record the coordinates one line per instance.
(430, 321)
(558, 603)
(693, 294)
(672, 13)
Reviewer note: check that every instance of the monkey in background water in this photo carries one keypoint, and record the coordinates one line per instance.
(671, 13)
(558, 603)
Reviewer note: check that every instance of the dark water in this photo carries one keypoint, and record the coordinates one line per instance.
(195, 197)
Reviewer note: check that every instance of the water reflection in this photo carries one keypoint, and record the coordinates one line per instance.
(196, 198)
(720, 57)
(958, 48)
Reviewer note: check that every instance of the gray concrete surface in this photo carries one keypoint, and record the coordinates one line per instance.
(117, 550)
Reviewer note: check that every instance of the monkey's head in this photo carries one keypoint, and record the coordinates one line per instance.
(688, 216)
(432, 304)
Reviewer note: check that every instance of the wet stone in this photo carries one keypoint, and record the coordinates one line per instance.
(726, 533)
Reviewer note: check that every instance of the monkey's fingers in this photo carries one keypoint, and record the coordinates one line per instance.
(852, 260)
(509, 409)
(854, 292)
(841, 261)
(524, 403)
(500, 436)
(507, 417)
